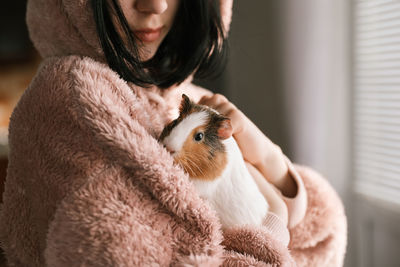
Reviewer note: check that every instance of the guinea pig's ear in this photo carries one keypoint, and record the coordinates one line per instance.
(186, 105)
(225, 129)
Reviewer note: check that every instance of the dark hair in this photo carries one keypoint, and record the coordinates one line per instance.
(195, 44)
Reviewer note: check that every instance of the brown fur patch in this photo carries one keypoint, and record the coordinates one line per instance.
(199, 159)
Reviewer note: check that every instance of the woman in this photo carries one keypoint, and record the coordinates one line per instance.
(88, 183)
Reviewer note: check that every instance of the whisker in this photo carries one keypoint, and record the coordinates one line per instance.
(194, 164)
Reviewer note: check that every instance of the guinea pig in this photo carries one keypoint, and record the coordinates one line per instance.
(201, 142)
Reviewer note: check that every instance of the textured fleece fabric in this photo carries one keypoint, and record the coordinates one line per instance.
(89, 185)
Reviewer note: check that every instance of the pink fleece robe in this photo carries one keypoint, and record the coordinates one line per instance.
(89, 185)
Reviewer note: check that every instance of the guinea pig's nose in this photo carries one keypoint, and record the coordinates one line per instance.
(169, 150)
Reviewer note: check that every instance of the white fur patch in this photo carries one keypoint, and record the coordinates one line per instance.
(175, 140)
(234, 195)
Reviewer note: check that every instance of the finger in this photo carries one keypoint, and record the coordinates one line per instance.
(205, 100)
(220, 98)
(224, 108)
(209, 102)
(213, 101)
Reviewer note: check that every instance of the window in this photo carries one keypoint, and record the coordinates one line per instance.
(377, 99)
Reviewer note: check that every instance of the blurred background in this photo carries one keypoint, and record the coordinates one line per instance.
(321, 79)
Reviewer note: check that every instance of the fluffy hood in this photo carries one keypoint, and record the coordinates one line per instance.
(67, 27)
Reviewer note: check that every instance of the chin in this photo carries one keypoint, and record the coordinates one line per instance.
(149, 51)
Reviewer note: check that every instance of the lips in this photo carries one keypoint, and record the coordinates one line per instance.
(148, 35)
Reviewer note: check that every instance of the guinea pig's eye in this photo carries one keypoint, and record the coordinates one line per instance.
(199, 136)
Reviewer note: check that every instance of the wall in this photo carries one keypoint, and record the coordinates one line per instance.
(253, 73)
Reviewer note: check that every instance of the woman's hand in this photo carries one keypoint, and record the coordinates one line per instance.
(257, 149)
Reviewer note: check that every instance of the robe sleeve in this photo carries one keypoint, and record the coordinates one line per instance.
(320, 237)
(296, 205)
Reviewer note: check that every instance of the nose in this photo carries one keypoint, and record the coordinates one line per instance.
(169, 149)
(151, 6)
